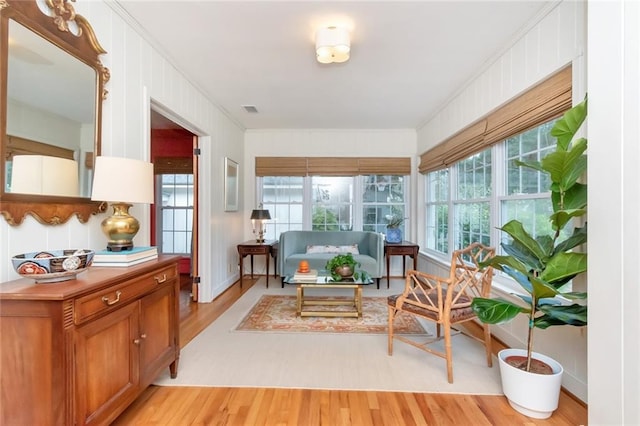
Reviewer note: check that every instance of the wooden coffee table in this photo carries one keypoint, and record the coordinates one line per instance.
(324, 281)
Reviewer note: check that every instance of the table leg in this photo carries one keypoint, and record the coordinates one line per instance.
(241, 270)
(251, 266)
(404, 262)
(267, 262)
(358, 297)
(415, 261)
(299, 300)
(388, 273)
(275, 262)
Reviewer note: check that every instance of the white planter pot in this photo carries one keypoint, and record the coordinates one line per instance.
(534, 395)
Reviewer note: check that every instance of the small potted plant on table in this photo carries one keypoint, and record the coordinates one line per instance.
(343, 266)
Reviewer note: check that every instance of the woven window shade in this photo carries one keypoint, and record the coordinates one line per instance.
(281, 166)
(543, 102)
(173, 165)
(21, 146)
(384, 166)
(332, 166)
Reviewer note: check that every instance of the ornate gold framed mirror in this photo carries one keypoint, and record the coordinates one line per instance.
(51, 92)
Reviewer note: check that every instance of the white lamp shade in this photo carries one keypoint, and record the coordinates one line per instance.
(332, 45)
(44, 175)
(122, 180)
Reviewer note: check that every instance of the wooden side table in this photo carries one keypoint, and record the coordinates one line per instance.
(252, 248)
(404, 249)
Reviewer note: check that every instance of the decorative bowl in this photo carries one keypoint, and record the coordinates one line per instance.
(52, 266)
(345, 271)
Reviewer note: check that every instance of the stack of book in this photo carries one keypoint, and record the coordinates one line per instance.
(124, 258)
(309, 276)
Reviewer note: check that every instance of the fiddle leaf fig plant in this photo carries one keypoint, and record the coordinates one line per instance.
(542, 265)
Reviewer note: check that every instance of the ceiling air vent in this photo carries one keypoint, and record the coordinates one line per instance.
(250, 109)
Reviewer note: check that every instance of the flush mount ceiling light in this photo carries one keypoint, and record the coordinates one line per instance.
(332, 45)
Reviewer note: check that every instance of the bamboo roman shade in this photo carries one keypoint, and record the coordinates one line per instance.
(545, 101)
(21, 146)
(173, 165)
(332, 166)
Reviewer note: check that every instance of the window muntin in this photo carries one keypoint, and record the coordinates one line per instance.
(176, 213)
(438, 210)
(526, 195)
(471, 205)
(382, 196)
(474, 209)
(283, 196)
(332, 203)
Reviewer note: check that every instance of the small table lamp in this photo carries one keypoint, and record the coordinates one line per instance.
(258, 216)
(122, 181)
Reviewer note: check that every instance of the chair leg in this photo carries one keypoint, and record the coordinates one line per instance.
(437, 329)
(487, 344)
(390, 330)
(447, 350)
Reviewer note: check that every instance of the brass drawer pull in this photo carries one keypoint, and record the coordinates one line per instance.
(160, 280)
(108, 302)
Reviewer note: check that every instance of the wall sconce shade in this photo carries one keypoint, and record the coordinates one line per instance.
(332, 45)
(258, 216)
(44, 175)
(122, 181)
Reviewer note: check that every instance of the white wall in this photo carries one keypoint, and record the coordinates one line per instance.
(325, 143)
(614, 202)
(558, 39)
(139, 73)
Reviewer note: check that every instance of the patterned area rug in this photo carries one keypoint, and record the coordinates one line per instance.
(278, 313)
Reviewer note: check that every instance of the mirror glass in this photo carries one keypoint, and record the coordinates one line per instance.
(51, 112)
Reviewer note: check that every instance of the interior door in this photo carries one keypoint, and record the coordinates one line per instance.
(174, 221)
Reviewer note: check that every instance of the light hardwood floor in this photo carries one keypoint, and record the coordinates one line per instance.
(252, 406)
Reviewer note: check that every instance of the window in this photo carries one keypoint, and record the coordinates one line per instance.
(176, 213)
(480, 193)
(438, 210)
(382, 196)
(471, 204)
(526, 196)
(283, 196)
(330, 203)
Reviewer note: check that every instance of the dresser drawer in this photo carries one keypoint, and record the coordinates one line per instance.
(401, 250)
(118, 295)
(255, 250)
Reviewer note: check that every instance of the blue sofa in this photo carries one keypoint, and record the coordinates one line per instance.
(294, 247)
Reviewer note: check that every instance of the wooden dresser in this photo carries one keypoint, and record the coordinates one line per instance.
(79, 352)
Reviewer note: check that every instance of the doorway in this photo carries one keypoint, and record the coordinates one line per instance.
(174, 218)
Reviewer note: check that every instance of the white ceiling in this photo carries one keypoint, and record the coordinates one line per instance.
(407, 58)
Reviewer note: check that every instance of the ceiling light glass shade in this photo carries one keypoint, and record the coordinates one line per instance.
(332, 45)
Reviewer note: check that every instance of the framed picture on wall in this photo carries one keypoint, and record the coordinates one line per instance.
(230, 185)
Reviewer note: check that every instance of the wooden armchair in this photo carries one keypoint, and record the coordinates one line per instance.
(446, 301)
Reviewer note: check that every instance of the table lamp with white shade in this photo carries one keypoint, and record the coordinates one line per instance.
(44, 175)
(122, 182)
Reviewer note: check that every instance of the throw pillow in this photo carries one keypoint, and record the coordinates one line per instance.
(323, 249)
(353, 249)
